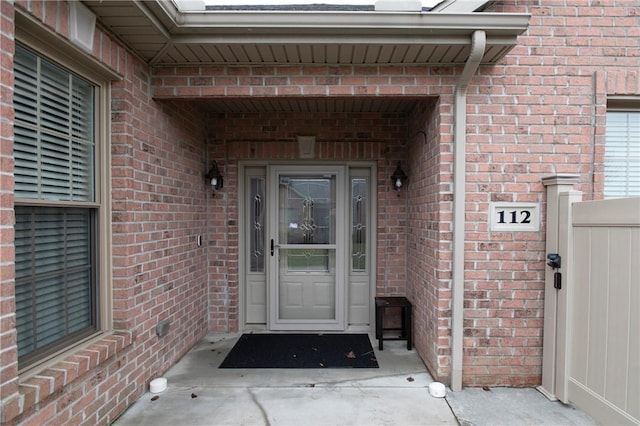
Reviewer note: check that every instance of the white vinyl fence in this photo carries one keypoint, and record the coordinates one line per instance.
(592, 356)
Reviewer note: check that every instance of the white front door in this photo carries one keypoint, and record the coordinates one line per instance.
(306, 240)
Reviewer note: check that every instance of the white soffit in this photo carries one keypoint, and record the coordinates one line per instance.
(163, 35)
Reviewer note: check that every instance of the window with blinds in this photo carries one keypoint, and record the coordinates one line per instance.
(622, 154)
(56, 212)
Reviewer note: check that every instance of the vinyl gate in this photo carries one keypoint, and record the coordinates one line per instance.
(592, 352)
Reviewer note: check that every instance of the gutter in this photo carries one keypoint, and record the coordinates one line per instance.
(507, 25)
(478, 45)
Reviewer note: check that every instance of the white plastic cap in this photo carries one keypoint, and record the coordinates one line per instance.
(437, 390)
(158, 385)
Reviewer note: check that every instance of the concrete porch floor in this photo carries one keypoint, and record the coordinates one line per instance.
(199, 393)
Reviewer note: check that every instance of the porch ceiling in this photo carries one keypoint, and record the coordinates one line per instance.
(310, 105)
(163, 35)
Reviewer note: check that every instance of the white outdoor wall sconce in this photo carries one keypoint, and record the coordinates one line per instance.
(398, 178)
(215, 177)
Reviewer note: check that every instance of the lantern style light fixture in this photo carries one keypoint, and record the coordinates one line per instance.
(214, 176)
(398, 179)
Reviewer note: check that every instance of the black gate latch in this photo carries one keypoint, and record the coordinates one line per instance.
(555, 261)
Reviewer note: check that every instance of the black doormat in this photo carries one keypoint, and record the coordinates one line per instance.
(301, 351)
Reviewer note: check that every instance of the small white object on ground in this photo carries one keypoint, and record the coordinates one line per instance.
(158, 385)
(437, 390)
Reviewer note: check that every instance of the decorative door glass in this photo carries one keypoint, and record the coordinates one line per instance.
(359, 209)
(256, 219)
(305, 249)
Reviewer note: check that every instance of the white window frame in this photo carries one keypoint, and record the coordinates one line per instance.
(622, 148)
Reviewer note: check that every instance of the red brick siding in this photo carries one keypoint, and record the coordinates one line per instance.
(429, 236)
(540, 111)
(159, 272)
(272, 136)
(537, 113)
(9, 401)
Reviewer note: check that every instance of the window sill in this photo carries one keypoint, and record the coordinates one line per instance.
(51, 379)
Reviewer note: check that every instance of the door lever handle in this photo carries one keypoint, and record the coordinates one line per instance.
(272, 247)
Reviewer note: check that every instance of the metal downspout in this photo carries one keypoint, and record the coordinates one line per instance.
(478, 45)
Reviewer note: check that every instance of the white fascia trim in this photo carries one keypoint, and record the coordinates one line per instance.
(293, 23)
(499, 23)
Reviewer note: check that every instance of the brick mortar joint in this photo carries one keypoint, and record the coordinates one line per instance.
(123, 340)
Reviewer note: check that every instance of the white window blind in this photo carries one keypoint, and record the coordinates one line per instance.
(56, 283)
(622, 154)
(54, 140)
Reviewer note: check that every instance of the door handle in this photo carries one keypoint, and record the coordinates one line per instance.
(272, 247)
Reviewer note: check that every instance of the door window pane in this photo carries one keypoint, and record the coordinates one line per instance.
(256, 216)
(359, 202)
(307, 260)
(307, 206)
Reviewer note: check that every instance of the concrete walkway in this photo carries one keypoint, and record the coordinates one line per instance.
(511, 406)
(199, 393)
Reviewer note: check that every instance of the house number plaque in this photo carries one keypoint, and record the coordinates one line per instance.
(514, 217)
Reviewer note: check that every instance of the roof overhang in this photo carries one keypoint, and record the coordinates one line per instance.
(163, 35)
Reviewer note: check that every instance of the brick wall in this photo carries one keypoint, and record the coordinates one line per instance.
(430, 206)
(539, 112)
(158, 198)
(414, 229)
(344, 137)
(8, 356)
